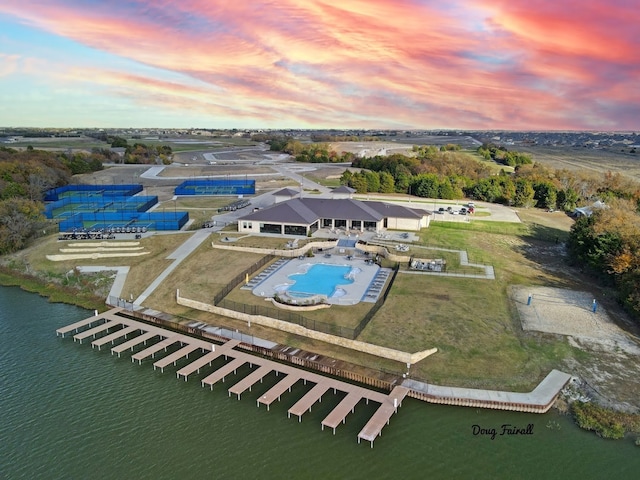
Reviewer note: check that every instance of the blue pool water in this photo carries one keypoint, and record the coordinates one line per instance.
(320, 279)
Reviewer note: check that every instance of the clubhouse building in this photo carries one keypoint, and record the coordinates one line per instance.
(304, 216)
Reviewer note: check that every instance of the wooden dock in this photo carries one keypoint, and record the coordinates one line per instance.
(133, 342)
(153, 349)
(247, 382)
(339, 414)
(174, 357)
(98, 325)
(312, 396)
(92, 332)
(208, 358)
(222, 372)
(83, 323)
(278, 389)
(374, 426)
(123, 332)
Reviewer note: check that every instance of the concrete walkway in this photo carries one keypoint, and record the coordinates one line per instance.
(539, 400)
(118, 283)
(178, 255)
(489, 273)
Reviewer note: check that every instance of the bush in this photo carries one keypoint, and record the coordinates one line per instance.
(605, 423)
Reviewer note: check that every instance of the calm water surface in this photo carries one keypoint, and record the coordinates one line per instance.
(72, 412)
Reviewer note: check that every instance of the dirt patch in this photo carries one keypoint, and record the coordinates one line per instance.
(609, 367)
(570, 313)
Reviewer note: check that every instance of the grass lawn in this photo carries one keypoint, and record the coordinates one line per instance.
(471, 321)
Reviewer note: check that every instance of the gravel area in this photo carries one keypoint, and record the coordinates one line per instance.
(570, 313)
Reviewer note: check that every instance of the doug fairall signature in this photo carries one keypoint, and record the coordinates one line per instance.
(505, 429)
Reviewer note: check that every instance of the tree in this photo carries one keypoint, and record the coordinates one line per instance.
(20, 219)
(359, 183)
(387, 185)
(545, 194)
(345, 178)
(567, 200)
(425, 185)
(445, 190)
(373, 181)
(118, 142)
(524, 194)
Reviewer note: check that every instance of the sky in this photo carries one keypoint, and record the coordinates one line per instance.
(370, 64)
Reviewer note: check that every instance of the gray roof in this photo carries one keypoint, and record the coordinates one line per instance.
(287, 192)
(343, 208)
(305, 211)
(398, 211)
(292, 211)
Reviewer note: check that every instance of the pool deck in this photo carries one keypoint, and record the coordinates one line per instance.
(359, 290)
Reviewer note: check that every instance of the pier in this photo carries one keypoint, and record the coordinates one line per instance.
(131, 344)
(99, 325)
(278, 389)
(539, 400)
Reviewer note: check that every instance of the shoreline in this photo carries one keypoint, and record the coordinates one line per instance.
(54, 293)
(602, 419)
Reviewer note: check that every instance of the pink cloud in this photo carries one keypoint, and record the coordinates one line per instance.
(474, 64)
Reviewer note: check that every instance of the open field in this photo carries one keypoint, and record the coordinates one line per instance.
(143, 269)
(578, 158)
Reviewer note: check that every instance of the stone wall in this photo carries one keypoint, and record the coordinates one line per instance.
(290, 252)
(388, 353)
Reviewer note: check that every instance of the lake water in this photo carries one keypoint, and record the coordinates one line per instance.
(73, 412)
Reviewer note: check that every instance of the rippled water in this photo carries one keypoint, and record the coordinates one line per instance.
(73, 412)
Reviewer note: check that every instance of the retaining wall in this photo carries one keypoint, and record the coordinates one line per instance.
(389, 353)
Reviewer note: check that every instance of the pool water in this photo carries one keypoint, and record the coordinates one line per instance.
(320, 279)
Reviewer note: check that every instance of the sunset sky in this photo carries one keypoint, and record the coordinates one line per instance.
(458, 64)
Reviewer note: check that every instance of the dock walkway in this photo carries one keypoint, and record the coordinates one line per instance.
(248, 381)
(208, 358)
(153, 349)
(123, 332)
(83, 323)
(312, 396)
(374, 426)
(278, 389)
(130, 344)
(539, 400)
(239, 358)
(222, 372)
(92, 332)
(175, 356)
(339, 414)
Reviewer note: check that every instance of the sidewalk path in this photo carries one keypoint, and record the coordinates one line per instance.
(179, 254)
(539, 400)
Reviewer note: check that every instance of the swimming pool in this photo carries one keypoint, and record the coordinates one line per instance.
(322, 279)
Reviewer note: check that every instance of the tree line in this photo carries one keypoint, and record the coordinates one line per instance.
(138, 153)
(24, 178)
(608, 244)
